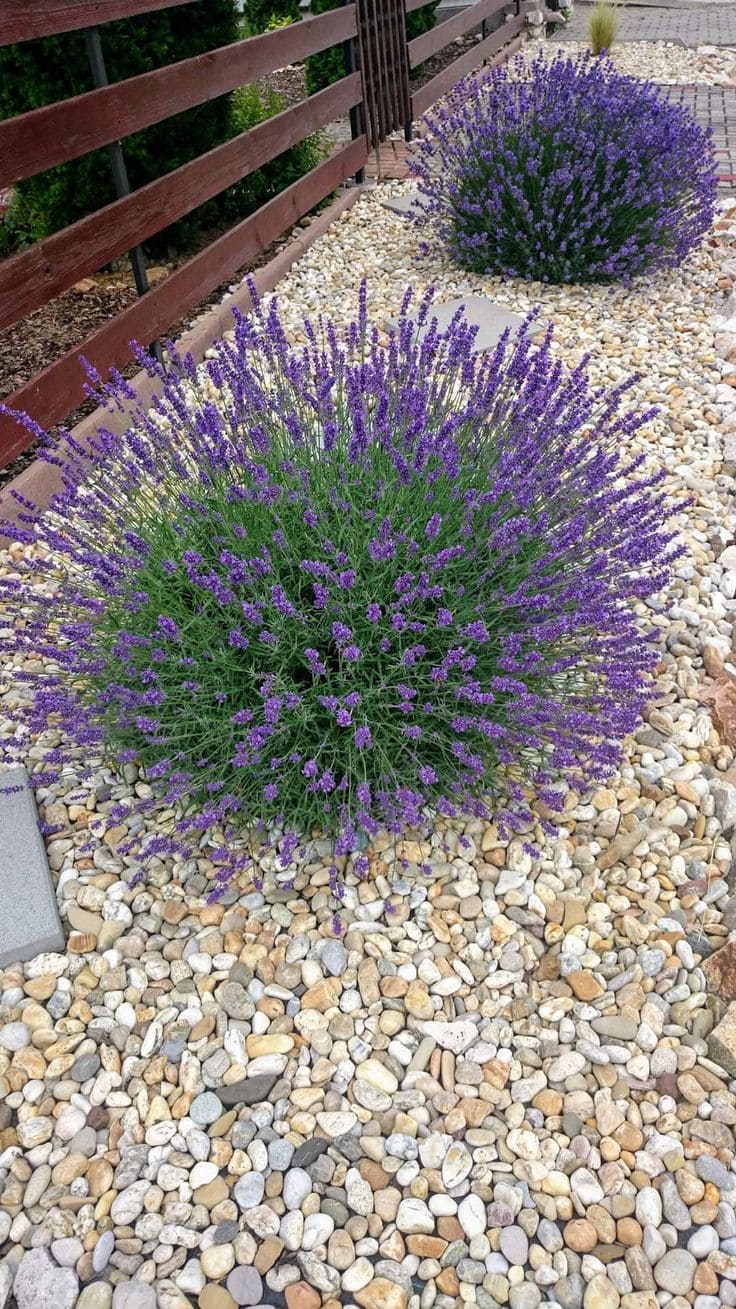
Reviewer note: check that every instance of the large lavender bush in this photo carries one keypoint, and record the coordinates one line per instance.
(564, 171)
(328, 587)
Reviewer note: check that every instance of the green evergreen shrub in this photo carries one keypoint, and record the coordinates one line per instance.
(35, 73)
(329, 65)
(253, 105)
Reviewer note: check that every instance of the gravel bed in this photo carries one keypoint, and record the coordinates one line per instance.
(663, 61)
(508, 1083)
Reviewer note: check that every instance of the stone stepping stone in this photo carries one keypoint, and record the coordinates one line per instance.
(30, 921)
(491, 319)
(402, 204)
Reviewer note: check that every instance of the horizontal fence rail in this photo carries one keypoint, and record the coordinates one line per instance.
(32, 278)
(52, 394)
(375, 93)
(55, 134)
(429, 43)
(24, 20)
(444, 81)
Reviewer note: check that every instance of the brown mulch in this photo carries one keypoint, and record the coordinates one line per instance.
(439, 62)
(28, 346)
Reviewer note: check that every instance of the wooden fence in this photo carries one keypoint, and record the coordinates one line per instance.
(376, 95)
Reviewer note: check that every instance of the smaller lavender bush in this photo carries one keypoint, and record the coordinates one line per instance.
(327, 587)
(564, 171)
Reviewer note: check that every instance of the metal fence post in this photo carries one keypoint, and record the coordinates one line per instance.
(119, 171)
(357, 114)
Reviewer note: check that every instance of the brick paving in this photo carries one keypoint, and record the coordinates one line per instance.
(702, 24)
(714, 107)
(389, 162)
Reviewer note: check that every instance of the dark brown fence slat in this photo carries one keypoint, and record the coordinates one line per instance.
(22, 20)
(35, 276)
(444, 81)
(422, 47)
(57, 133)
(52, 394)
(385, 66)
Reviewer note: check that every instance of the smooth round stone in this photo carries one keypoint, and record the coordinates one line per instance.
(248, 1192)
(67, 1251)
(215, 1297)
(675, 1271)
(318, 1229)
(217, 1261)
(471, 1215)
(102, 1251)
(414, 1217)
(245, 1285)
(98, 1295)
(205, 1109)
(15, 1036)
(280, 1154)
(649, 1207)
(86, 1066)
(703, 1241)
(358, 1275)
(514, 1244)
(297, 1186)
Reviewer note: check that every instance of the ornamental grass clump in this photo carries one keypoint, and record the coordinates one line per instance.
(564, 170)
(340, 587)
(603, 26)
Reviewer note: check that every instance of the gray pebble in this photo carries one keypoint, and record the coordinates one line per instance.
(245, 1285)
(569, 1291)
(205, 1109)
(712, 1170)
(526, 1296)
(250, 1090)
(280, 1153)
(249, 1190)
(102, 1252)
(306, 1154)
(334, 958)
(134, 1295)
(514, 1244)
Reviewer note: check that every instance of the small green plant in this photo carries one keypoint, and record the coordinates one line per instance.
(252, 105)
(603, 25)
(276, 23)
(269, 15)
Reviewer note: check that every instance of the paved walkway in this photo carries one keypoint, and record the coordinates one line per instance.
(701, 24)
(688, 25)
(714, 107)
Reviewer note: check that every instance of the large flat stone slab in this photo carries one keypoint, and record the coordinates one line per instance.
(29, 919)
(491, 319)
(406, 204)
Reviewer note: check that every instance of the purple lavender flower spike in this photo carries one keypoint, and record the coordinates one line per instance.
(431, 612)
(563, 170)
